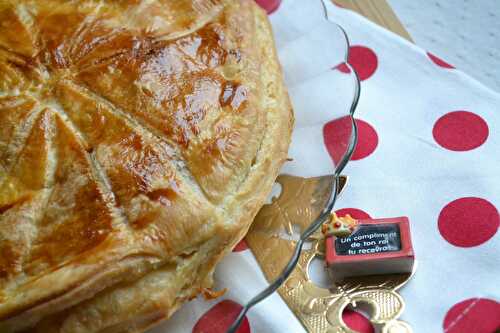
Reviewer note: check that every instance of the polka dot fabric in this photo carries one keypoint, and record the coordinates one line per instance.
(220, 317)
(460, 131)
(357, 322)
(478, 315)
(336, 132)
(241, 246)
(468, 222)
(270, 6)
(363, 60)
(429, 149)
(438, 61)
(354, 212)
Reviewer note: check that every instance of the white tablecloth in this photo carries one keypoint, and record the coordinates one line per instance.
(429, 149)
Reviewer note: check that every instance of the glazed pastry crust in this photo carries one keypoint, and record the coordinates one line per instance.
(138, 139)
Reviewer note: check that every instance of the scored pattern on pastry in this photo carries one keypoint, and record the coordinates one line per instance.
(64, 108)
(117, 120)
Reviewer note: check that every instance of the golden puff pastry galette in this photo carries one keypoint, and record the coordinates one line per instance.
(138, 139)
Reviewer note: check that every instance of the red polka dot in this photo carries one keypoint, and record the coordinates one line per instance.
(357, 321)
(270, 6)
(241, 246)
(475, 315)
(468, 222)
(363, 60)
(336, 134)
(354, 212)
(343, 68)
(438, 61)
(220, 317)
(460, 131)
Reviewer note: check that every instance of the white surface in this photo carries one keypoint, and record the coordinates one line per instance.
(464, 33)
(408, 174)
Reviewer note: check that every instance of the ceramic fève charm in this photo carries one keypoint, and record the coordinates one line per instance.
(375, 247)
